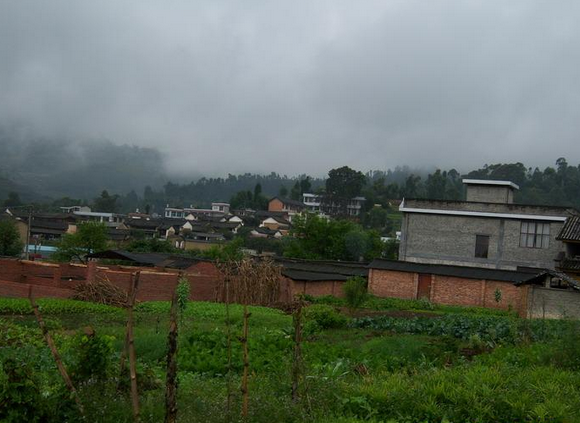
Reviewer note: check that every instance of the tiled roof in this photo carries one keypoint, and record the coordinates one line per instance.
(571, 230)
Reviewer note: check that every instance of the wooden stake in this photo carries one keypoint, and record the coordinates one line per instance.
(244, 340)
(297, 357)
(229, 349)
(55, 354)
(171, 384)
(131, 348)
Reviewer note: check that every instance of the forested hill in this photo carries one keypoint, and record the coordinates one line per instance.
(40, 168)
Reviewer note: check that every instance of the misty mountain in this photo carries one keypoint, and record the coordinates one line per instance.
(57, 168)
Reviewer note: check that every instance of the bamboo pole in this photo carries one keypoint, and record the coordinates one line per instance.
(55, 354)
(131, 348)
(171, 384)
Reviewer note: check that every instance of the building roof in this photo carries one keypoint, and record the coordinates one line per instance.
(572, 265)
(449, 270)
(150, 259)
(571, 230)
(143, 259)
(490, 182)
(539, 279)
(143, 223)
(321, 270)
(486, 210)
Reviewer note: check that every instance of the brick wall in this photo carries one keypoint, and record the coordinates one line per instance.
(275, 205)
(386, 283)
(316, 288)
(456, 291)
(446, 289)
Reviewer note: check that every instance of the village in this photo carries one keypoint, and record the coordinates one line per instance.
(289, 212)
(450, 252)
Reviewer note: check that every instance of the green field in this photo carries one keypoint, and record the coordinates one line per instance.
(394, 361)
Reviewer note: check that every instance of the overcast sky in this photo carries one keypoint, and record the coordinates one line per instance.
(299, 86)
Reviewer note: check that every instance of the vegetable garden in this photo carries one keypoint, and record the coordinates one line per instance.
(436, 364)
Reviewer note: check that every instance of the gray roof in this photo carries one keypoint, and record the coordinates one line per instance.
(321, 270)
(145, 259)
(447, 270)
(571, 230)
(551, 273)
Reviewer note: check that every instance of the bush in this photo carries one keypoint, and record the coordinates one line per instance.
(326, 317)
(355, 292)
(92, 356)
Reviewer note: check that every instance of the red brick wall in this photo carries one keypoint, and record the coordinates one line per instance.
(275, 205)
(10, 270)
(445, 289)
(457, 291)
(316, 288)
(387, 283)
(510, 295)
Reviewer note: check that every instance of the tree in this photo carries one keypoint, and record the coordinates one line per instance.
(90, 237)
(343, 184)
(10, 244)
(106, 203)
(13, 200)
(283, 192)
(318, 238)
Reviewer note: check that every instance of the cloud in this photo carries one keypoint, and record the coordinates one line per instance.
(299, 86)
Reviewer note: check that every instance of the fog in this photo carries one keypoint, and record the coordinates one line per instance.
(298, 86)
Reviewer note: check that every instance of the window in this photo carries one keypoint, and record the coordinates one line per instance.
(535, 235)
(481, 246)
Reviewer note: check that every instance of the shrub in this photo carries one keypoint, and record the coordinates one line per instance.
(326, 317)
(92, 356)
(355, 292)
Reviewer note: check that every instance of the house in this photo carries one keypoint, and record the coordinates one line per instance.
(109, 219)
(147, 227)
(569, 259)
(447, 284)
(551, 295)
(264, 232)
(318, 277)
(317, 203)
(217, 209)
(487, 230)
(287, 206)
(276, 223)
(73, 209)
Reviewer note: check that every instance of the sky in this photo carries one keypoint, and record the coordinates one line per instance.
(299, 86)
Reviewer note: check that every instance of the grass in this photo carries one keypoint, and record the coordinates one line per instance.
(465, 366)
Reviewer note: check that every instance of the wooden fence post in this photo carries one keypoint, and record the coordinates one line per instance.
(55, 354)
(171, 384)
(131, 347)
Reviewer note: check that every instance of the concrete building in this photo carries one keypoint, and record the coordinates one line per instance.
(488, 230)
(316, 204)
(191, 213)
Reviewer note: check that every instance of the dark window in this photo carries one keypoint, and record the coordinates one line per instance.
(481, 246)
(535, 235)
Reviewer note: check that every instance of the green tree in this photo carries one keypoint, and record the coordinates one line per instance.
(106, 203)
(283, 192)
(13, 200)
(342, 184)
(317, 238)
(355, 292)
(10, 244)
(90, 237)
